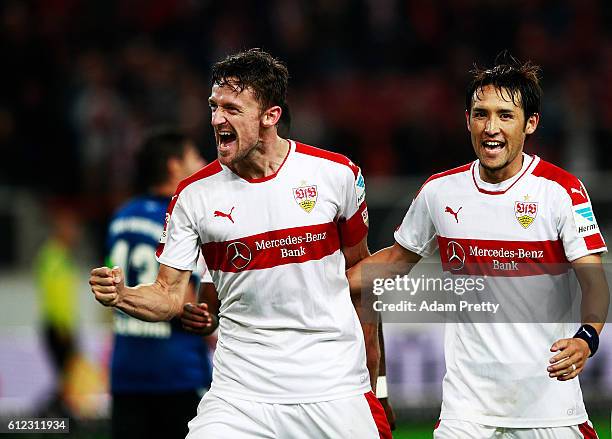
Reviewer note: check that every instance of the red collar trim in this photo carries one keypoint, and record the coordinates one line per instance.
(484, 191)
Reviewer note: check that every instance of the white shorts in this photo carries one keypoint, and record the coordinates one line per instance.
(455, 429)
(357, 417)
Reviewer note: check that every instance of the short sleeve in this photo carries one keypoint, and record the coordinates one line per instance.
(353, 211)
(578, 227)
(179, 243)
(417, 232)
(202, 271)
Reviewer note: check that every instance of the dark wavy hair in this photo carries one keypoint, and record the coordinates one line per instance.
(520, 80)
(159, 145)
(256, 69)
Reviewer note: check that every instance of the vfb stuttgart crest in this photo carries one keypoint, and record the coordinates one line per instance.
(525, 212)
(306, 197)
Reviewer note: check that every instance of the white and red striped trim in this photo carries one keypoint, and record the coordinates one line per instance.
(327, 155)
(379, 415)
(587, 431)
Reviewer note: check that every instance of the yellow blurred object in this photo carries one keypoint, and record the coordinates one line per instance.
(57, 282)
(85, 387)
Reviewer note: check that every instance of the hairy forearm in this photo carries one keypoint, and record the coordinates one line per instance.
(150, 302)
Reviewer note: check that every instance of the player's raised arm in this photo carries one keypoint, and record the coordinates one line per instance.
(158, 301)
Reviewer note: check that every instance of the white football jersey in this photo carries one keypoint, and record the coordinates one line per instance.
(496, 373)
(288, 332)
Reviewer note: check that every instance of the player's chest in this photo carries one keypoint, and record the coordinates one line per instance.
(251, 209)
(523, 214)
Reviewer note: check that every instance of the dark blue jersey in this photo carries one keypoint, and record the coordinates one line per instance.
(149, 357)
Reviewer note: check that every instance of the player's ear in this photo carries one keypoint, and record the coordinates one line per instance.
(532, 123)
(467, 120)
(271, 116)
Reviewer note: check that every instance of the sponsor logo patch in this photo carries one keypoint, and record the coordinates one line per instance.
(360, 188)
(585, 220)
(586, 212)
(525, 212)
(306, 197)
(239, 254)
(455, 255)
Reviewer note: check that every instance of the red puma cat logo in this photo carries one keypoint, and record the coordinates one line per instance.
(225, 215)
(449, 210)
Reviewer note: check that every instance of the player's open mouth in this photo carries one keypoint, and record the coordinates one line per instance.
(226, 139)
(493, 146)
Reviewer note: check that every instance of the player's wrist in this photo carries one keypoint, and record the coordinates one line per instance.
(590, 336)
(381, 387)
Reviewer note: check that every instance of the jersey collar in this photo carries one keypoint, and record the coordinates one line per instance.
(529, 163)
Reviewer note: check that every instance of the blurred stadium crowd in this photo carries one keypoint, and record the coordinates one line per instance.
(382, 80)
(379, 80)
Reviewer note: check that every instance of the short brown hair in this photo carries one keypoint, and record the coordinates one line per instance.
(256, 69)
(521, 80)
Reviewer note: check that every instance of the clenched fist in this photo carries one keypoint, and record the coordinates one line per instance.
(107, 285)
(197, 319)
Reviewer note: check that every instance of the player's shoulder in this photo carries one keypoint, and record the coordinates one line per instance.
(564, 179)
(207, 172)
(325, 155)
(446, 176)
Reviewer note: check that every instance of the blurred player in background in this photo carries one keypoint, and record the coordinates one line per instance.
(158, 370)
(502, 378)
(57, 278)
(278, 222)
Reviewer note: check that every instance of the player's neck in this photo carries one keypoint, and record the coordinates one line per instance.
(264, 160)
(495, 176)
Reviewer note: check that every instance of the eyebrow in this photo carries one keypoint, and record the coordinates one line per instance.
(234, 105)
(497, 110)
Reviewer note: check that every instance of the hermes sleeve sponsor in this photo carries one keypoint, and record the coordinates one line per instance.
(360, 188)
(584, 219)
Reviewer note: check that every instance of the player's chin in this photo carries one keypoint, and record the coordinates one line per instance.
(225, 157)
